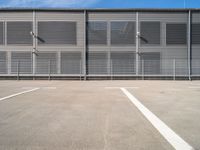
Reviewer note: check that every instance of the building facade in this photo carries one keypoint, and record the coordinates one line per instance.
(84, 43)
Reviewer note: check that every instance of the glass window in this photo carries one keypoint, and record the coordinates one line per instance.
(195, 33)
(122, 33)
(57, 32)
(97, 33)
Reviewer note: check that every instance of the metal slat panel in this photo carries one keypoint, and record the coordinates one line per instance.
(57, 32)
(97, 63)
(176, 34)
(195, 33)
(71, 63)
(19, 33)
(1, 33)
(150, 33)
(150, 63)
(123, 63)
(3, 63)
(97, 33)
(46, 63)
(122, 33)
(21, 62)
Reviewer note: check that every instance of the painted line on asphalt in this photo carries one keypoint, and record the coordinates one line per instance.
(16, 94)
(175, 140)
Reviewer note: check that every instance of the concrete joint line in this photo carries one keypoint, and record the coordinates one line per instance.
(175, 140)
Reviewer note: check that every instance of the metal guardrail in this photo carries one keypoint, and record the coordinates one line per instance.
(111, 68)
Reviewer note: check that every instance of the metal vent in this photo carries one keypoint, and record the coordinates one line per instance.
(97, 63)
(46, 63)
(19, 33)
(195, 33)
(122, 33)
(150, 63)
(57, 32)
(150, 33)
(1, 33)
(71, 63)
(21, 62)
(97, 33)
(176, 34)
(3, 63)
(123, 63)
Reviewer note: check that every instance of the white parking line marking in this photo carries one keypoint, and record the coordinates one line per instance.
(175, 140)
(120, 87)
(13, 95)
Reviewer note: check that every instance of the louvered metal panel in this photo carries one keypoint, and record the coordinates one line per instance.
(150, 33)
(21, 62)
(122, 33)
(3, 63)
(19, 33)
(176, 34)
(97, 63)
(71, 63)
(1, 33)
(195, 33)
(97, 33)
(123, 63)
(46, 63)
(57, 32)
(150, 63)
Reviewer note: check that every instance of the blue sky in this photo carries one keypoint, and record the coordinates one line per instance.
(102, 3)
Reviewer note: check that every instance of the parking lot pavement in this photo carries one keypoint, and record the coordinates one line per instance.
(96, 115)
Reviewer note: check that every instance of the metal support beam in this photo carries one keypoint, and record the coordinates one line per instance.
(85, 47)
(189, 44)
(34, 43)
(137, 43)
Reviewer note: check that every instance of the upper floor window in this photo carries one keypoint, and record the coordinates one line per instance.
(123, 33)
(176, 33)
(196, 33)
(57, 32)
(19, 33)
(97, 33)
(1, 33)
(150, 33)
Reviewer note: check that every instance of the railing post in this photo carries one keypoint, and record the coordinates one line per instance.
(18, 70)
(49, 70)
(174, 69)
(80, 70)
(142, 69)
(111, 69)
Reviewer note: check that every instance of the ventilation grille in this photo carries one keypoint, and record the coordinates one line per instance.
(150, 33)
(57, 32)
(21, 62)
(46, 63)
(19, 33)
(97, 63)
(176, 33)
(1, 33)
(71, 63)
(123, 63)
(3, 63)
(195, 33)
(150, 63)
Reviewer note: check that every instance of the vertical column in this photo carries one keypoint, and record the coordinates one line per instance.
(109, 65)
(189, 45)
(85, 46)
(34, 43)
(137, 43)
(59, 62)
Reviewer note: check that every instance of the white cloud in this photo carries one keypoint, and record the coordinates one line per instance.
(49, 3)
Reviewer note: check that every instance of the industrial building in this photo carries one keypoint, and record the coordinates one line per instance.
(103, 43)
